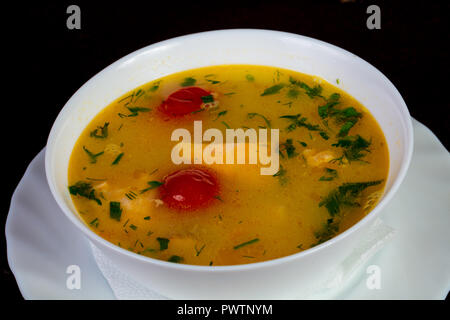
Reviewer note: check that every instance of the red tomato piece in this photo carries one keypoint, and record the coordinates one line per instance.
(184, 101)
(189, 189)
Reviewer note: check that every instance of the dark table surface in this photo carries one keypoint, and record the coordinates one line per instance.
(49, 62)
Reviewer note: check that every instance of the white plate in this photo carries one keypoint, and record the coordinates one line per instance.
(42, 243)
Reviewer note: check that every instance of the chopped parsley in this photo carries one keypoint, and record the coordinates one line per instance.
(298, 121)
(198, 251)
(250, 78)
(289, 148)
(115, 212)
(131, 195)
(293, 94)
(346, 128)
(329, 231)
(207, 99)
(163, 243)
(330, 174)
(281, 175)
(91, 155)
(220, 114)
(188, 82)
(355, 148)
(134, 111)
(116, 161)
(273, 89)
(347, 117)
(254, 114)
(175, 259)
(132, 226)
(84, 189)
(100, 132)
(225, 124)
(212, 81)
(313, 92)
(154, 87)
(345, 195)
(245, 243)
(94, 223)
(152, 185)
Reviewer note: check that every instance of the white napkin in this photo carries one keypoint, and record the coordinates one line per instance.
(126, 288)
(377, 236)
(123, 286)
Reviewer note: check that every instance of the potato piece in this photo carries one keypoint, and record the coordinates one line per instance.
(318, 159)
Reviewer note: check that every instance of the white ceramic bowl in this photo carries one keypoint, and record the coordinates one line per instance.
(299, 274)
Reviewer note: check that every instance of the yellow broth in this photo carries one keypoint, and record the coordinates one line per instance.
(256, 217)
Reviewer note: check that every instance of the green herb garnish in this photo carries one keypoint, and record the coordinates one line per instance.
(298, 121)
(115, 212)
(153, 185)
(250, 78)
(188, 82)
(345, 195)
(91, 155)
(254, 114)
(329, 231)
(175, 259)
(355, 148)
(289, 148)
(281, 175)
(154, 87)
(207, 99)
(131, 195)
(220, 114)
(84, 189)
(94, 223)
(116, 161)
(324, 135)
(163, 243)
(313, 92)
(346, 128)
(293, 94)
(100, 132)
(135, 110)
(212, 81)
(330, 174)
(198, 251)
(346, 117)
(225, 124)
(273, 89)
(245, 243)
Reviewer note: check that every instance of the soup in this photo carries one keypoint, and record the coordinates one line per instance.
(332, 165)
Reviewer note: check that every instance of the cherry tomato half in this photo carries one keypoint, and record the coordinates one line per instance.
(189, 189)
(184, 101)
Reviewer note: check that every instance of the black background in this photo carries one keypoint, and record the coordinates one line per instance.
(49, 62)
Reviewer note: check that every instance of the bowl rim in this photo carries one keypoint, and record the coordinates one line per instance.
(407, 155)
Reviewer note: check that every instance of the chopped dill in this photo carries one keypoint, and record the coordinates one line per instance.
(245, 243)
(91, 155)
(254, 114)
(116, 161)
(100, 132)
